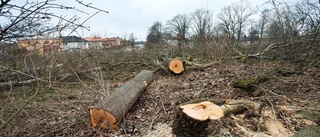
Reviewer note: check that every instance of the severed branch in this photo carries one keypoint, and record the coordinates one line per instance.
(243, 56)
(34, 79)
(37, 13)
(109, 113)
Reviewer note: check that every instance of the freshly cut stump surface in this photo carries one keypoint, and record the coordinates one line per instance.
(193, 119)
(176, 66)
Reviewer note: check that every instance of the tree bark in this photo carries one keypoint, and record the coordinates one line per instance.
(110, 112)
(185, 125)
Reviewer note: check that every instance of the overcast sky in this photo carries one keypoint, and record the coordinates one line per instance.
(136, 16)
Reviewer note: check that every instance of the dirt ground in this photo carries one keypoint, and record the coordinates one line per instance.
(64, 112)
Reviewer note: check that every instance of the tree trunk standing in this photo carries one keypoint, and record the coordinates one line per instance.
(110, 112)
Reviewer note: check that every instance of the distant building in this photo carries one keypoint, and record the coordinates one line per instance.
(111, 42)
(42, 46)
(46, 46)
(139, 44)
(174, 40)
(74, 42)
(99, 42)
(94, 42)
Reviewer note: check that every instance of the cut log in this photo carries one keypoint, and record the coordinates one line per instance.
(110, 112)
(175, 66)
(179, 65)
(192, 119)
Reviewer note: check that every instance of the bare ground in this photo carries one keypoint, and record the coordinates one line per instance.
(63, 111)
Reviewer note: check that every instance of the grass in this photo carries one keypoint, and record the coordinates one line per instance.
(23, 93)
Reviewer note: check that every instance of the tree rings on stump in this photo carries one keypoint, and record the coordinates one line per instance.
(100, 117)
(194, 119)
(176, 66)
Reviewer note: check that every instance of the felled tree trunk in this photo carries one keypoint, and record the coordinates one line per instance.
(193, 119)
(110, 112)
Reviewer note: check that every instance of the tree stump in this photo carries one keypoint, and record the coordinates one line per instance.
(174, 66)
(193, 119)
(109, 113)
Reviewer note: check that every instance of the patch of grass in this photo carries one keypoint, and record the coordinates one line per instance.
(308, 114)
(25, 92)
(50, 94)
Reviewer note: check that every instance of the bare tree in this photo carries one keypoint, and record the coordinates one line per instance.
(262, 22)
(132, 39)
(285, 26)
(201, 24)
(32, 18)
(156, 33)
(292, 30)
(253, 34)
(234, 19)
(307, 13)
(179, 25)
(29, 19)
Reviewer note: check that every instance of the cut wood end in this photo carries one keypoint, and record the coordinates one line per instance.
(176, 66)
(145, 83)
(203, 111)
(103, 118)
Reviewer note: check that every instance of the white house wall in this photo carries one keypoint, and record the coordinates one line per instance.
(76, 45)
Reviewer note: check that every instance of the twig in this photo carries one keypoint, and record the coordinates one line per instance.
(80, 25)
(285, 119)
(88, 5)
(34, 79)
(272, 107)
(151, 124)
(164, 109)
(272, 92)
(250, 133)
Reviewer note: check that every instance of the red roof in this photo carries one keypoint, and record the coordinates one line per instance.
(95, 38)
(177, 37)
